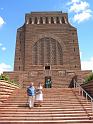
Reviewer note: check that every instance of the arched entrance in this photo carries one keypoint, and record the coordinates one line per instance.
(47, 51)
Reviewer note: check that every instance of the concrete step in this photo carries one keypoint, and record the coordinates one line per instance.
(60, 106)
(6, 90)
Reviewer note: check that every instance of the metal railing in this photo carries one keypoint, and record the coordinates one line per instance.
(82, 92)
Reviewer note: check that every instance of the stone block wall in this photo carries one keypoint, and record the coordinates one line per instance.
(88, 87)
(59, 78)
(47, 43)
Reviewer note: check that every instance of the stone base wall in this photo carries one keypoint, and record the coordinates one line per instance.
(59, 78)
(88, 87)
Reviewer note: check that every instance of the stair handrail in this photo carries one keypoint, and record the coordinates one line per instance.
(76, 84)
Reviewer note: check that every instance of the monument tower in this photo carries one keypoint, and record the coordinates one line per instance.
(47, 49)
(46, 39)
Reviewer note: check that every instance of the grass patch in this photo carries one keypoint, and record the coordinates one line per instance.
(89, 78)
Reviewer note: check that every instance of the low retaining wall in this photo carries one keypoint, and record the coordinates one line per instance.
(88, 87)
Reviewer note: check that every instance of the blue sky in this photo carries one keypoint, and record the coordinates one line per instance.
(12, 15)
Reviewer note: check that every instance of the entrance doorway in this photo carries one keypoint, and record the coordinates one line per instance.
(47, 67)
(48, 83)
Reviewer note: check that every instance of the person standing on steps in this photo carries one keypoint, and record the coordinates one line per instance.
(48, 83)
(39, 95)
(31, 95)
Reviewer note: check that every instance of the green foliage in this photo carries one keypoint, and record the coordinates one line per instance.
(7, 79)
(4, 77)
(15, 82)
(89, 78)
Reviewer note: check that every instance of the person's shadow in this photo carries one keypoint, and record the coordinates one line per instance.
(23, 105)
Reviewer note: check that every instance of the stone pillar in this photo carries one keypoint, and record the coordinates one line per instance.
(60, 20)
(38, 20)
(33, 20)
(27, 21)
(65, 20)
(54, 20)
(43, 20)
(49, 19)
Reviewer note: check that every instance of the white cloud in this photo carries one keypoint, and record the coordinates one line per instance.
(1, 21)
(80, 17)
(3, 48)
(87, 65)
(2, 8)
(5, 67)
(78, 7)
(81, 10)
(72, 1)
(0, 44)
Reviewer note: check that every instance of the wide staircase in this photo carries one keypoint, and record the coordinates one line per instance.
(6, 90)
(60, 105)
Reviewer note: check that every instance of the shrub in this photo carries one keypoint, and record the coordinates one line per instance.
(6, 78)
(89, 78)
